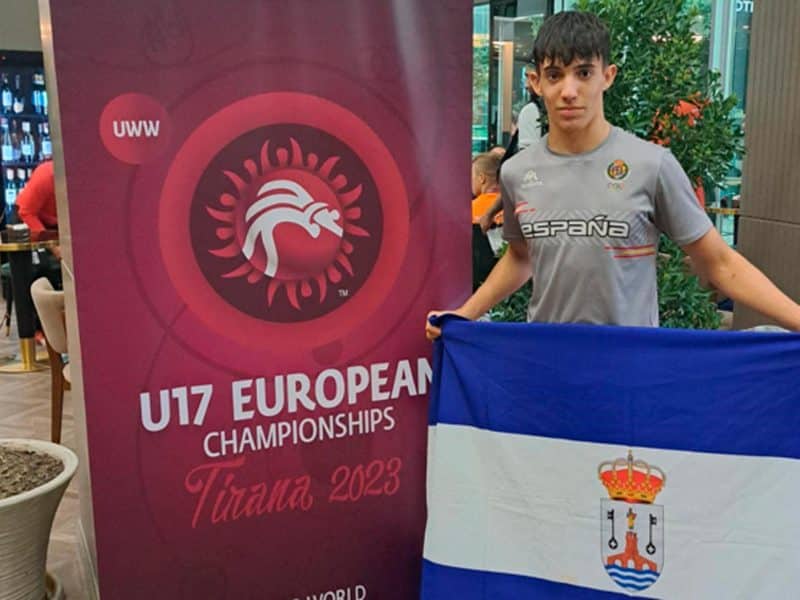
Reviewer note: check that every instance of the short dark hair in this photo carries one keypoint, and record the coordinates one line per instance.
(570, 34)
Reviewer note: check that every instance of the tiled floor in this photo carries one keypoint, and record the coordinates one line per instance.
(25, 413)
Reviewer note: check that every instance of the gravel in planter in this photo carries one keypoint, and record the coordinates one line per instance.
(23, 470)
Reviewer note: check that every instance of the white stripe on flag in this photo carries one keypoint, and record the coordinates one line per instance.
(527, 505)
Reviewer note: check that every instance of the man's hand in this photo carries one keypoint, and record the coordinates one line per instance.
(432, 332)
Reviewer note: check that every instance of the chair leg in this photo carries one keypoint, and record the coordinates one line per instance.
(56, 413)
(9, 305)
(56, 394)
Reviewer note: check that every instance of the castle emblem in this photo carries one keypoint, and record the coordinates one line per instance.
(632, 526)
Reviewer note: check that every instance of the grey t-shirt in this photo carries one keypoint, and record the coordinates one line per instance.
(591, 223)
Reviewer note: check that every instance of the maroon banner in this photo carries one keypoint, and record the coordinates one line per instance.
(265, 198)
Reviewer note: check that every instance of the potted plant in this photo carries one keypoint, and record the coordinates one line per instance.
(33, 477)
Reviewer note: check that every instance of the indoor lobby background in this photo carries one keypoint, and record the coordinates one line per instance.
(752, 43)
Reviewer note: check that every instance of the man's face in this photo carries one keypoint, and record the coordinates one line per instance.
(573, 93)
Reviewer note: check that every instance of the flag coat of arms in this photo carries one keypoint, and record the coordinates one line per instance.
(578, 461)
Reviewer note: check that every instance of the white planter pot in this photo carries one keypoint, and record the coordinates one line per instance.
(25, 522)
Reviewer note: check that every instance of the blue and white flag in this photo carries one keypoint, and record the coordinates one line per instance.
(577, 461)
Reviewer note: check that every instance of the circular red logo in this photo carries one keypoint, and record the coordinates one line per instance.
(296, 226)
(134, 128)
(283, 213)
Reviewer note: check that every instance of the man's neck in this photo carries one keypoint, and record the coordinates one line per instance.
(581, 141)
(489, 189)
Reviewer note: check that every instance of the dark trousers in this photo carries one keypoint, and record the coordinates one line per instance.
(49, 266)
(483, 259)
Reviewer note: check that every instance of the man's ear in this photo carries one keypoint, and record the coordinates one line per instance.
(536, 81)
(609, 74)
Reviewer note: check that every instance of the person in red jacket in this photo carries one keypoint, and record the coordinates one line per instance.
(36, 203)
(36, 207)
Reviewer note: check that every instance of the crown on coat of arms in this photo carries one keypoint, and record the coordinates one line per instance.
(631, 480)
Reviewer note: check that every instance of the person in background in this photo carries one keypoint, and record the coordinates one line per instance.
(485, 192)
(36, 207)
(584, 208)
(529, 131)
(36, 203)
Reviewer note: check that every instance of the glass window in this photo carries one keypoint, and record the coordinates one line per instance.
(561, 5)
(741, 52)
(733, 46)
(480, 78)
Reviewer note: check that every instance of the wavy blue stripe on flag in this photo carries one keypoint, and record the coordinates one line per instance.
(440, 581)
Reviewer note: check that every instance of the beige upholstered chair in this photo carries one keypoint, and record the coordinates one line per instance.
(50, 307)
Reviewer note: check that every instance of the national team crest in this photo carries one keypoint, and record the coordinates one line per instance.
(632, 542)
(618, 170)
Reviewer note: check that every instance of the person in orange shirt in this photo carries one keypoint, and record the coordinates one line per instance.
(485, 192)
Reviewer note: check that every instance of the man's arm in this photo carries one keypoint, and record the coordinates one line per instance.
(487, 218)
(508, 275)
(736, 277)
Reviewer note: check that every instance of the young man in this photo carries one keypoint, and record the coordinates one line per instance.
(584, 207)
